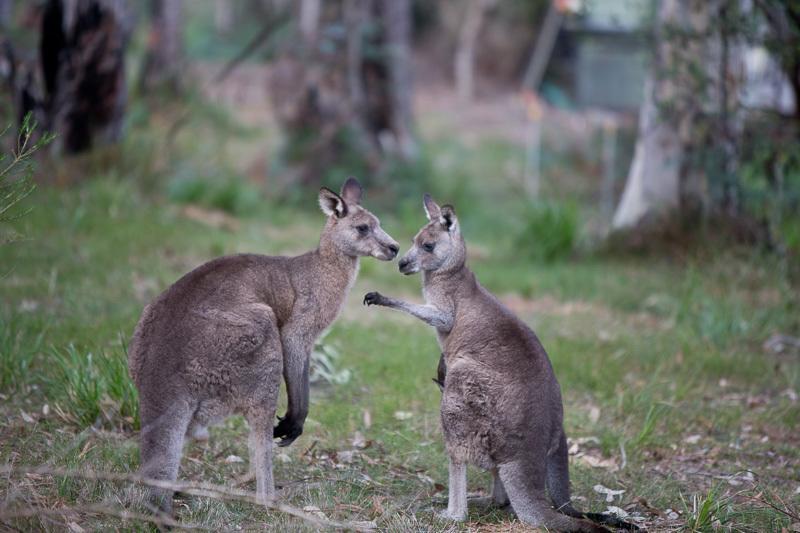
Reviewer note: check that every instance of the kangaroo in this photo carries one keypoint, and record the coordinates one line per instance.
(501, 406)
(217, 341)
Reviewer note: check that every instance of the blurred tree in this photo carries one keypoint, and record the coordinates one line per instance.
(82, 54)
(6, 12)
(464, 63)
(164, 61)
(783, 39)
(342, 89)
(705, 147)
(223, 16)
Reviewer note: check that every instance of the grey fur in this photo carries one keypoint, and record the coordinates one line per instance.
(501, 407)
(218, 340)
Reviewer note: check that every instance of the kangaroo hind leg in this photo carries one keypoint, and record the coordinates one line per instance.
(162, 437)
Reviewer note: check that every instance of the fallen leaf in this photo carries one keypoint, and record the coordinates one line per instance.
(283, 457)
(233, 459)
(692, 439)
(403, 415)
(75, 528)
(347, 456)
(359, 441)
(45, 409)
(610, 493)
(594, 414)
(313, 509)
(596, 462)
(27, 418)
(367, 416)
(616, 511)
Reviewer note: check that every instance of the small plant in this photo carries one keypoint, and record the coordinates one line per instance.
(16, 170)
(93, 388)
(16, 357)
(324, 359)
(550, 231)
(702, 514)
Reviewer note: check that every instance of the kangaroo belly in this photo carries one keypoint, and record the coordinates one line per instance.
(469, 414)
(489, 417)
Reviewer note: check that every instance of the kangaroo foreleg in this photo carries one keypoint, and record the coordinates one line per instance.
(296, 359)
(427, 313)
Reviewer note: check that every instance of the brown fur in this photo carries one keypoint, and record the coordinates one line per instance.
(218, 340)
(501, 408)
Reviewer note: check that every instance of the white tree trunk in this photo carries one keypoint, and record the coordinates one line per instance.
(655, 177)
(653, 183)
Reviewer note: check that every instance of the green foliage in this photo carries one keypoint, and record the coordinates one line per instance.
(94, 389)
(16, 356)
(16, 170)
(550, 231)
(703, 513)
(233, 195)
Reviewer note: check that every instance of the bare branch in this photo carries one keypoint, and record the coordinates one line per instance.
(205, 490)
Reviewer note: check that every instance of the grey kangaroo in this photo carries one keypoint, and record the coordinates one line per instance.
(218, 340)
(501, 406)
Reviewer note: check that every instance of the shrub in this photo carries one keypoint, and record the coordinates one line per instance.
(550, 231)
(94, 388)
(233, 195)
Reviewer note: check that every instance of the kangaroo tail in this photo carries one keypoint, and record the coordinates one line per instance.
(558, 486)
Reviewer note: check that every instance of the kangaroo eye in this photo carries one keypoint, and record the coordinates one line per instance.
(428, 246)
(363, 229)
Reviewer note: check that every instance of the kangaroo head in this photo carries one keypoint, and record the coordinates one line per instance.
(439, 244)
(353, 230)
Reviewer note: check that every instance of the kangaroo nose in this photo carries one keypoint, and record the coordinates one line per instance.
(394, 249)
(403, 264)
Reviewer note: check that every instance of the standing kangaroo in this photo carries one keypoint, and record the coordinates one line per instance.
(216, 341)
(501, 406)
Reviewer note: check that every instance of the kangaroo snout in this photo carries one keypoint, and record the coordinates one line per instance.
(393, 249)
(407, 266)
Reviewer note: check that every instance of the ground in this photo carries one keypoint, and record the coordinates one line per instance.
(676, 390)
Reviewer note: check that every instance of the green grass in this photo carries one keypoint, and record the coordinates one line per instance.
(660, 356)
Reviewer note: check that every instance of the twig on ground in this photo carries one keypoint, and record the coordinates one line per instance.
(206, 490)
(36, 510)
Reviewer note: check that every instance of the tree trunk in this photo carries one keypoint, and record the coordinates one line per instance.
(345, 101)
(654, 185)
(397, 26)
(82, 53)
(6, 12)
(163, 64)
(223, 16)
(464, 64)
(654, 177)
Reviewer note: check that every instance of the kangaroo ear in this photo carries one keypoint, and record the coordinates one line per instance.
(448, 218)
(351, 191)
(432, 210)
(331, 203)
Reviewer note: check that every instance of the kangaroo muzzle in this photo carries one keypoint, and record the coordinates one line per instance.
(408, 264)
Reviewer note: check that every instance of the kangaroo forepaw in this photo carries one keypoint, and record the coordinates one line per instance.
(288, 429)
(373, 298)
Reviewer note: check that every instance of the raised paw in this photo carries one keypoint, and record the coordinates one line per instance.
(373, 298)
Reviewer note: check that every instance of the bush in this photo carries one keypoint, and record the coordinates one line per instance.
(93, 389)
(233, 195)
(550, 231)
